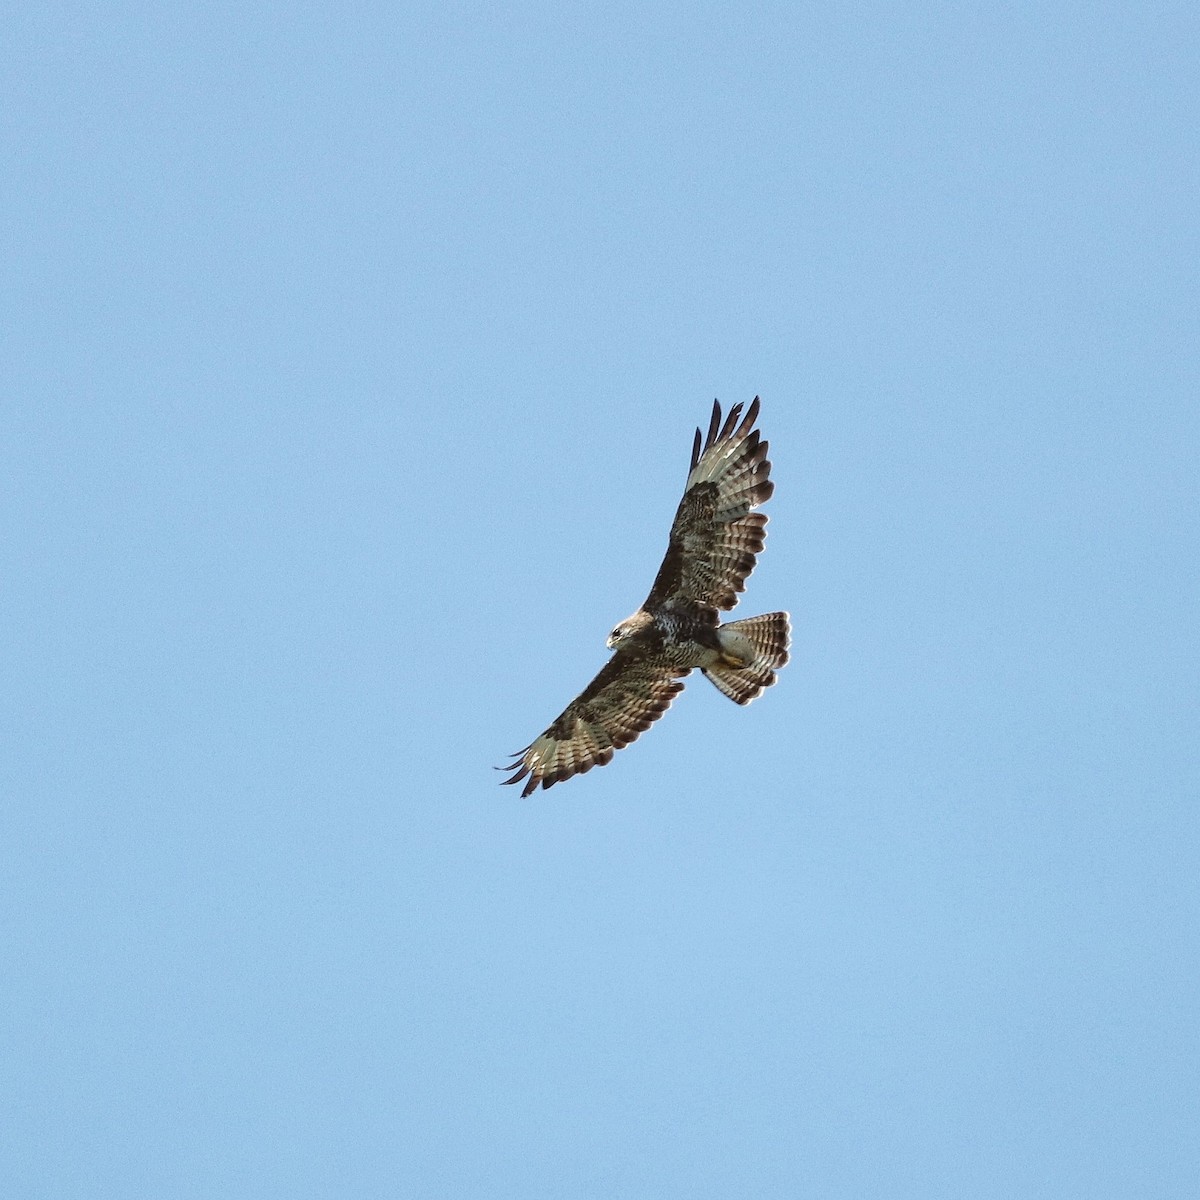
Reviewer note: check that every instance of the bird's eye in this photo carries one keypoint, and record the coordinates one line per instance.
(616, 633)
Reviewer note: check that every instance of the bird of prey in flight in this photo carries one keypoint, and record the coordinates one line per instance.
(715, 538)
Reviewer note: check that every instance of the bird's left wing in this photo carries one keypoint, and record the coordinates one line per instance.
(625, 699)
(716, 537)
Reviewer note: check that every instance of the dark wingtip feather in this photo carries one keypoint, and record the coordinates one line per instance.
(751, 417)
(695, 451)
(714, 424)
(731, 421)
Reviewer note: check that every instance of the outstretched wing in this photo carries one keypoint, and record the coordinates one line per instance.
(715, 536)
(627, 697)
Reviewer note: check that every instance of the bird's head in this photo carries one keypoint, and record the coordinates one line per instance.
(628, 628)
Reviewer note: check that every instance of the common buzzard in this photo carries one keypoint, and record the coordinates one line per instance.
(714, 540)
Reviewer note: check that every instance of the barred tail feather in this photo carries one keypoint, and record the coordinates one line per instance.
(768, 635)
(755, 647)
(740, 684)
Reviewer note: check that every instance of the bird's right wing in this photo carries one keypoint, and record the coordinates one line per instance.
(625, 699)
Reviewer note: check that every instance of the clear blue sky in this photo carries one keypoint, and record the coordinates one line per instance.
(350, 359)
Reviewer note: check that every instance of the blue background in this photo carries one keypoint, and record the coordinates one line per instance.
(350, 359)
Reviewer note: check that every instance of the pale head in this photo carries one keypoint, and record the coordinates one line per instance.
(629, 628)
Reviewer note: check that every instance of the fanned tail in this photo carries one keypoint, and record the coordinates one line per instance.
(753, 649)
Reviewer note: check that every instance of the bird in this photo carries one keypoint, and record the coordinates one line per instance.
(715, 539)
